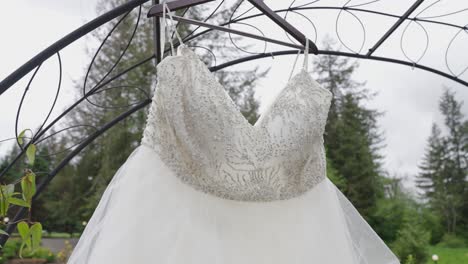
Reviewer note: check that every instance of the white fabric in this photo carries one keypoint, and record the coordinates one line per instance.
(147, 215)
(198, 131)
(206, 187)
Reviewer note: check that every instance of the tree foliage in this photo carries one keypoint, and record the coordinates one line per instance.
(351, 136)
(444, 170)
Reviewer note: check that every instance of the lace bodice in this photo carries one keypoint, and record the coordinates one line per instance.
(200, 134)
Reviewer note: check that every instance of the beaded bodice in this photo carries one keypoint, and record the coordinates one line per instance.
(200, 134)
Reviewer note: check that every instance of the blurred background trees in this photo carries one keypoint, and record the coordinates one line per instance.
(409, 222)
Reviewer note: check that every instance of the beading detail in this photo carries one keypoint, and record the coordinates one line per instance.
(199, 133)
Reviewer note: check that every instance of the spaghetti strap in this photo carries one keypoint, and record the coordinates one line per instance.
(306, 59)
(167, 30)
(306, 56)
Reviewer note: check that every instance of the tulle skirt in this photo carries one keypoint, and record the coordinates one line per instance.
(147, 215)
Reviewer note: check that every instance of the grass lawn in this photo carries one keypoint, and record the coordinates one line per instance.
(449, 255)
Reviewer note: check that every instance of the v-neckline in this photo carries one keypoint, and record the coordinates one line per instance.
(231, 104)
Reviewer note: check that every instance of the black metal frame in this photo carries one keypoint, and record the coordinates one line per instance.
(394, 27)
(34, 64)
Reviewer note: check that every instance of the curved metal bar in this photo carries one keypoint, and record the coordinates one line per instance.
(446, 14)
(64, 129)
(18, 111)
(129, 42)
(309, 3)
(147, 96)
(88, 71)
(294, 32)
(243, 13)
(265, 44)
(310, 21)
(351, 9)
(345, 54)
(13, 138)
(299, 8)
(22, 210)
(59, 86)
(204, 20)
(57, 46)
(209, 51)
(447, 64)
(426, 46)
(21, 153)
(65, 41)
(366, 3)
(427, 7)
(305, 17)
(363, 28)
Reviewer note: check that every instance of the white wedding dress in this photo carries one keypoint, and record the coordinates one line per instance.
(207, 187)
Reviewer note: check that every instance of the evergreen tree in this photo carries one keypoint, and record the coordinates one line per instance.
(61, 204)
(351, 136)
(16, 171)
(443, 176)
(412, 240)
(354, 158)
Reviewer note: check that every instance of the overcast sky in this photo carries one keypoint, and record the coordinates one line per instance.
(408, 97)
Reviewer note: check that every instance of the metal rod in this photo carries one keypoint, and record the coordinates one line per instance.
(65, 41)
(157, 36)
(394, 27)
(237, 32)
(344, 54)
(157, 8)
(260, 5)
(20, 72)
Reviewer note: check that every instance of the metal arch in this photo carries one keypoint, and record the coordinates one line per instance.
(343, 54)
(55, 49)
(95, 23)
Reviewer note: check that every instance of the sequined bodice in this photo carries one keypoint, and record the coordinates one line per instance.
(200, 134)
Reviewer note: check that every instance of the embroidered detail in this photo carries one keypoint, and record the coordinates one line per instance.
(199, 133)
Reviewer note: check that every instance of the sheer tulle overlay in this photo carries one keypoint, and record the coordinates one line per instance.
(147, 215)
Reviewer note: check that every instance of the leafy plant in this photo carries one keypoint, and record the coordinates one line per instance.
(30, 236)
(10, 250)
(30, 232)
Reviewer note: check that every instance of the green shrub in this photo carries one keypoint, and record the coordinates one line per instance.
(452, 241)
(432, 222)
(10, 250)
(388, 218)
(412, 240)
(410, 260)
(12, 247)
